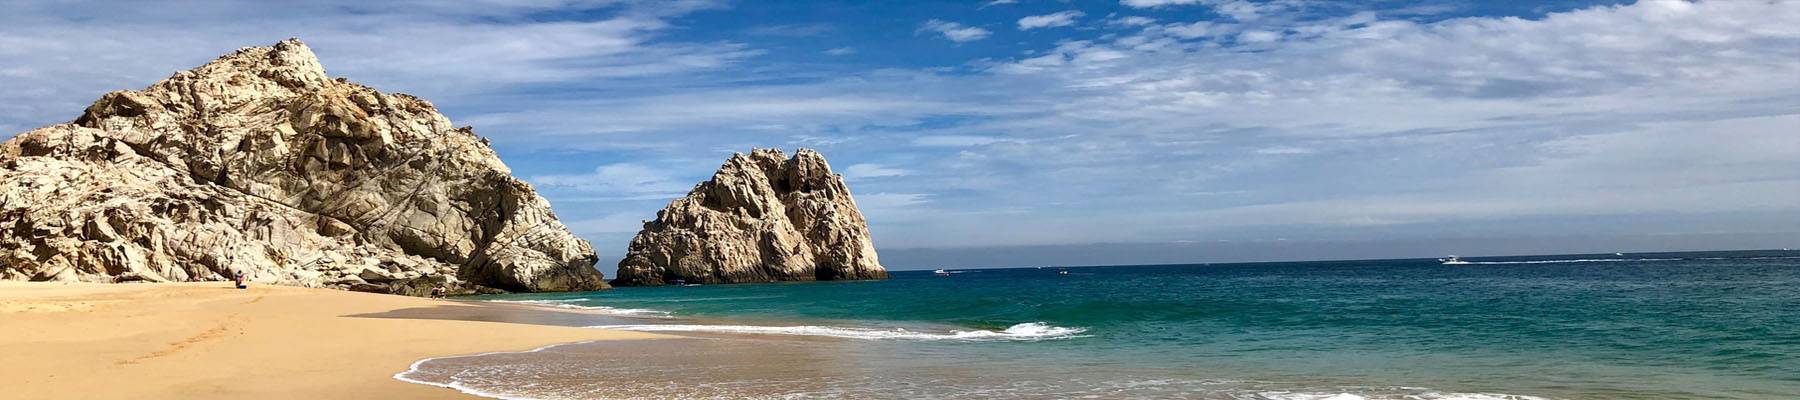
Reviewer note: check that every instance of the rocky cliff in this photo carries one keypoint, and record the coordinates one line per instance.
(763, 217)
(259, 163)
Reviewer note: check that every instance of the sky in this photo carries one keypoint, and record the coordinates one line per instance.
(1003, 133)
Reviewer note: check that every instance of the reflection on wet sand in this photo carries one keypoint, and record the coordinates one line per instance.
(666, 368)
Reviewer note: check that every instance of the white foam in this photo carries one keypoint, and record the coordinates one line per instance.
(458, 385)
(1421, 396)
(635, 312)
(1030, 331)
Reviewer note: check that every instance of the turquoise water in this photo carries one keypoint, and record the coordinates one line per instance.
(1688, 325)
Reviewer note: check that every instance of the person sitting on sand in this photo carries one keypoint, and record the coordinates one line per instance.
(437, 292)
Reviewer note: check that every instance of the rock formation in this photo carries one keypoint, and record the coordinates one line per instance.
(763, 217)
(259, 163)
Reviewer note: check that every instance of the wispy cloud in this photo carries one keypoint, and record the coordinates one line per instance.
(1052, 20)
(956, 32)
(1313, 119)
(956, 141)
(1283, 150)
(1131, 21)
(622, 178)
(792, 30)
(439, 51)
(877, 204)
(1157, 3)
(866, 171)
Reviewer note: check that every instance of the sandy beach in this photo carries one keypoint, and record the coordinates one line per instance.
(210, 341)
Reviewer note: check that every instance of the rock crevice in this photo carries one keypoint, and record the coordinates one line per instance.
(259, 163)
(763, 217)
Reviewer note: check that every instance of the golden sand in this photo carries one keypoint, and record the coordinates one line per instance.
(211, 341)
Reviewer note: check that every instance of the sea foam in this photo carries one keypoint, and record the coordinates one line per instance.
(1422, 396)
(570, 303)
(1030, 331)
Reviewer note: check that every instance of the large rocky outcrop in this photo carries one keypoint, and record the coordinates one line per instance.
(763, 217)
(259, 163)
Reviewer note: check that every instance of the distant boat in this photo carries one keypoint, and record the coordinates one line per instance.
(1619, 254)
(1062, 271)
(941, 272)
(1452, 260)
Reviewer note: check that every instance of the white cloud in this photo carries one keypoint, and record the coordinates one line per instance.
(1259, 36)
(1131, 21)
(956, 141)
(1242, 10)
(1196, 29)
(439, 51)
(1470, 119)
(1157, 3)
(865, 171)
(624, 179)
(1283, 150)
(1668, 110)
(841, 51)
(954, 31)
(793, 30)
(1052, 20)
(878, 205)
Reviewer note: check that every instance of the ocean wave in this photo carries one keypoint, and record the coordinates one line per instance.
(1030, 331)
(1585, 260)
(570, 303)
(1422, 396)
(408, 375)
(703, 299)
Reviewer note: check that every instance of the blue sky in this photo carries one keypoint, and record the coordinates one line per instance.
(1162, 129)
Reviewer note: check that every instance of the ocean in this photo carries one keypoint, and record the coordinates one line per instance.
(1718, 325)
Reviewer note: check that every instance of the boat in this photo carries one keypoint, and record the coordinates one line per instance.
(1062, 271)
(941, 272)
(1452, 260)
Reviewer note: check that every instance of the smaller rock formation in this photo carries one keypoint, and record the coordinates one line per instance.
(763, 217)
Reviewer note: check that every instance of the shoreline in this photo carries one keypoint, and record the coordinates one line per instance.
(206, 340)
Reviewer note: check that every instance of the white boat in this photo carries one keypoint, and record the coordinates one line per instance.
(1452, 260)
(941, 272)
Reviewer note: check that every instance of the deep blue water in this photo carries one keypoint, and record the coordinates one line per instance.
(1683, 325)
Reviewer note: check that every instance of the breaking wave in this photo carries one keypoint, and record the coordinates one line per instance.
(1030, 331)
(1421, 396)
(634, 312)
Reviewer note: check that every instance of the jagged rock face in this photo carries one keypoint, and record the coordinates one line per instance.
(259, 163)
(763, 217)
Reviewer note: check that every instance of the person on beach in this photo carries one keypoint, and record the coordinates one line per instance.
(240, 278)
(437, 292)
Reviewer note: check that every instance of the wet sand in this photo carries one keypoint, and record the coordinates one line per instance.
(210, 341)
